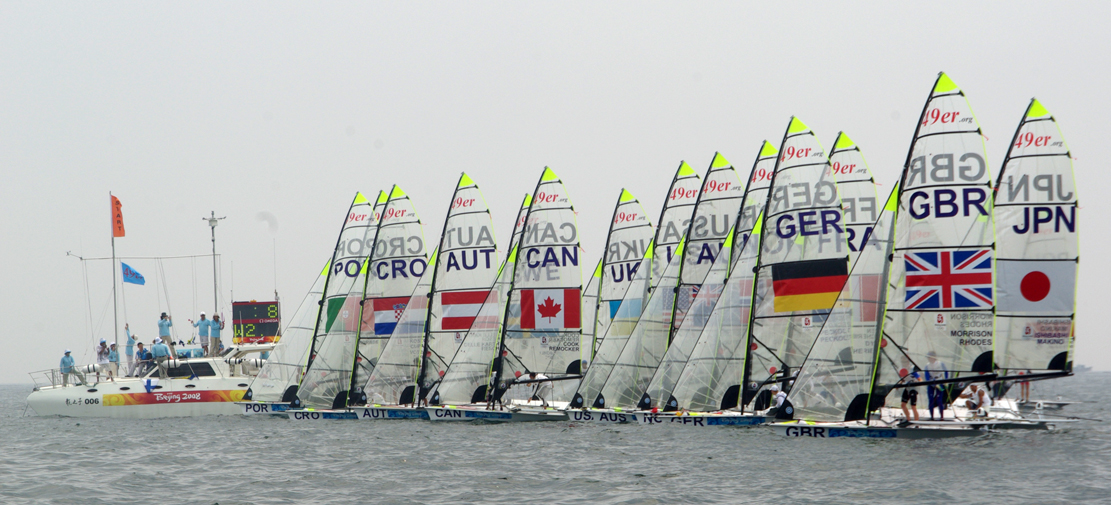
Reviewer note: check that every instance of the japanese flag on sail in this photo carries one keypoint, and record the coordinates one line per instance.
(550, 309)
(461, 308)
(387, 311)
(1038, 287)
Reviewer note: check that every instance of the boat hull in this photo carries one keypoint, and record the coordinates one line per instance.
(130, 399)
(322, 415)
(838, 430)
(390, 413)
(460, 413)
(263, 408)
(696, 420)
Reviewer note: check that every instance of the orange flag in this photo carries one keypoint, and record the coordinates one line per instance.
(117, 217)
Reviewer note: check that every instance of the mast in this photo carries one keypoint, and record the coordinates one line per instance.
(115, 308)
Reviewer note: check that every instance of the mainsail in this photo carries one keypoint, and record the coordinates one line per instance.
(468, 368)
(543, 325)
(803, 261)
(277, 379)
(675, 217)
(328, 374)
(629, 237)
(398, 261)
(457, 285)
(1037, 249)
(686, 338)
(835, 382)
(940, 301)
(857, 190)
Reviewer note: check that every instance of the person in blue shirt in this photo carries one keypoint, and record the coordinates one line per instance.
(129, 350)
(202, 330)
(113, 362)
(214, 327)
(68, 368)
(164, 324)
(161, 353)
(143, 360)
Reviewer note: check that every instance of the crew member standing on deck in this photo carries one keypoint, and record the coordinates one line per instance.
(164, 325)
(102, 359)
(68, 368)
(129, 349)
(214, 327)
(161, 353)
(935, 393)
(202, 330)
(113, 362)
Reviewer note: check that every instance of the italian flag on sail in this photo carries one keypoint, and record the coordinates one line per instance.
(550, 309)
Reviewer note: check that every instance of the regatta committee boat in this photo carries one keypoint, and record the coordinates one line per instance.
(195, 387)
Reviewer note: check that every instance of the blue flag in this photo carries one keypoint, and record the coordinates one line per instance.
(130, 275)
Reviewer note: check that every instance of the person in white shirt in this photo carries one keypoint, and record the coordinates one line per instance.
(543, 389)
(780, 396)
(102, 359)
(977, 397)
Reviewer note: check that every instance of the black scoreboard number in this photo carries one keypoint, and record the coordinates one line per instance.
(256, 321)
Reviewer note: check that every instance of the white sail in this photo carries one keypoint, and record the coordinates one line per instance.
(1037, 249)
(940, 300)
(675, 217)
(457, 285)
(857, 190)
(277, 378)
(629, 236)
(718, 205)
(543, 329)
(638, 358)
(328, 375)
(835, 382)
(803, 260)
(468, 369)
(398, 261)
(685, 339)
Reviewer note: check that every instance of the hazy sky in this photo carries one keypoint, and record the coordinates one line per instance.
(274, 114)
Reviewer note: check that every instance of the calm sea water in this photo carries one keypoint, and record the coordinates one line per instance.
(237, 460)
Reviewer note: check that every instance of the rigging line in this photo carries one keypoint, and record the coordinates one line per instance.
(148, 257)
(88, 300)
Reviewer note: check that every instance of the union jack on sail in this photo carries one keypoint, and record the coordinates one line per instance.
(949, 279)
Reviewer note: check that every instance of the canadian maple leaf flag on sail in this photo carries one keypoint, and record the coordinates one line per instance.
(550, 309)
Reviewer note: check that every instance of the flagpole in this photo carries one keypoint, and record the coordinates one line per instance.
(115, 309)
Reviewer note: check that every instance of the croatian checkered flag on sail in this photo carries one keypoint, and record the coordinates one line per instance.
(948, 279)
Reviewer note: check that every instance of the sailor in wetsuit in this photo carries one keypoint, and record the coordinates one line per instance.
(910, 396)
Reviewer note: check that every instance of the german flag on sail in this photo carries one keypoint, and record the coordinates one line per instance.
(808, 285)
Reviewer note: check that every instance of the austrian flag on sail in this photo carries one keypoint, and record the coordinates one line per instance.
(550, 309)
(462, 307)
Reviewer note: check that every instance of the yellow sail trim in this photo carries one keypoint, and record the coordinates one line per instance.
(359, 198)
(719, 161)
(729, 238)
(893, 200)
(549, 175)
(327, 265)
(1037, 110)
(513, 255)
(465, 180)
(843, 142)
(397, 192)
(626, 196)
(797, 126)
(598, 270)
(768, 150)
(527, 202)
(432, 259)
(648, 252)
(685, 169)
(382, 197)
(944, 84)
(759, 224)
(366, 265)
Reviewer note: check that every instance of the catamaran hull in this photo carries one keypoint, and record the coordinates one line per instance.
(263, 408)
(129, 399)
(799, 430)
(494, 416)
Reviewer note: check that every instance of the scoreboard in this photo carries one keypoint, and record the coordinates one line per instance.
(255, 322)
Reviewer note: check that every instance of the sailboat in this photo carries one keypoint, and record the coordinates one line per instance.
(393, 259)
(542, 325)
(675, 216)
(933, 325)
(711, 225)
(277, 381)
(444, 305)
(1037, 255)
